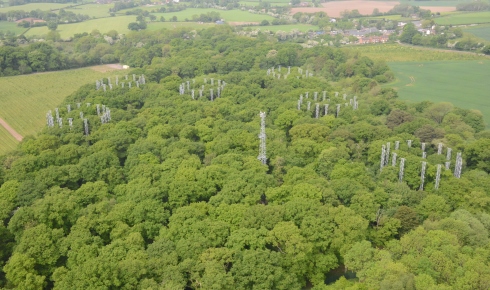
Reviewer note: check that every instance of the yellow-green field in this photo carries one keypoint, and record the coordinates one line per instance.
(7, 141)
(464, 18)
(463, 83)
(170, 25)
(287, 28)
(12, 27)
(392, 52)
(24, 100)
(227, 15)
(92, 10)
(120, 24)
(36, 6)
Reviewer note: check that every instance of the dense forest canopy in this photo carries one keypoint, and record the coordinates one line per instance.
(169, 193)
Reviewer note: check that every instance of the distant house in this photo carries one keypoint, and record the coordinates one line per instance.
(30, 20)
(220, 22)
(373, 39)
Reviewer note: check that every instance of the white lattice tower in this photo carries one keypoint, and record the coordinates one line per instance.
(299, 105)
(338, 110)
(212, 80)
(317, 110)
(344, 96)
(211, 94)
(81, 115)
(439, 149)
(68, 108)
(315, 96)
(85, 125)
(424, 155)
(397, 145)
(447, 165)
(262, 137)
(422, 145)
(402, 168)
(192, 94)
(458, 166)
(336, 94)
(308, 106)
(301, 98)
(70, 122)
(393, 159)
(383, 154)
(307, 94)
(326, 109)
(387, 155)
(324, 95)
(279, 68)
(438, 176)
(422, 175)
(409, 143)
(448, 154)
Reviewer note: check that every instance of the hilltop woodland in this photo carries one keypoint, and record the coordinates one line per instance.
(169, 193)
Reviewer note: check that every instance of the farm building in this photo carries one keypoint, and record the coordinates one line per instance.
(30, 20)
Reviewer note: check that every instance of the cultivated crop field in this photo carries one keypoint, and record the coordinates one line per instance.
(35, 6)
(24, 100)
(462, 83)
(392, 52)
(7, 141)
(482, 32)
(120, 24)
(92, 10)
(287, 28)
(227, 15)
(464, 18)
(171, 25)
(12, 27)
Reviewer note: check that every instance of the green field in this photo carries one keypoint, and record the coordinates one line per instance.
(120, 24)
(392, 52)
(170, 25)
(287, 28)
(92, 10)
(462, 83)
(24, 100)
(464, 18)
(12, 27)
(482, 32)
(35, 6)
(227, 15)
(7, 142)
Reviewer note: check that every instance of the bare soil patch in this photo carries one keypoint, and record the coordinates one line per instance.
(334, 8)
(11, 130)
(107, 67)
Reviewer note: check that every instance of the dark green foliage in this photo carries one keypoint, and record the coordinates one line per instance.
(169, 194)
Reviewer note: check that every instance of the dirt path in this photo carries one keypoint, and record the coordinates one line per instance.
(11, 130)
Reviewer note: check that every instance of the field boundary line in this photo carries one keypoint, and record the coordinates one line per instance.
(11, 130)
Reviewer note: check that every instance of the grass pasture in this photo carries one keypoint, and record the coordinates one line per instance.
(92, 10)
(7, 141)
(12, 27)
(227, 15)
(36, 6)
(287, 28)
(462, 83)
(392, 52)
(120, 24)
(482, 31)
(24, 100)
(171, 25)
(464, 18)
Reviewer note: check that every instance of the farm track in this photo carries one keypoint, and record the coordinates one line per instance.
(12, 132)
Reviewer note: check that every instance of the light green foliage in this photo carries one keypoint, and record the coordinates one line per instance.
(170, 195)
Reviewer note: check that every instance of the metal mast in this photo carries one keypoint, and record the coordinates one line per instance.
(262, 149)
